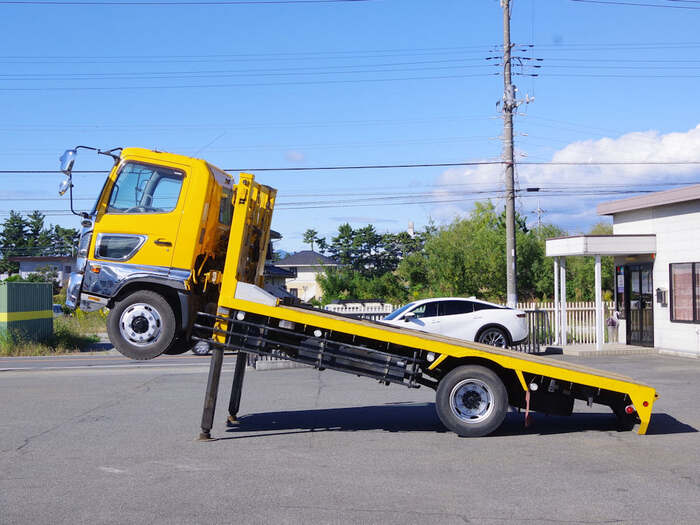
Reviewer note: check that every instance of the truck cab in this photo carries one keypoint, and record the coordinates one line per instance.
(159, 227)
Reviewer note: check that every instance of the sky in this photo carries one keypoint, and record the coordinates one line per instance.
(292, 84)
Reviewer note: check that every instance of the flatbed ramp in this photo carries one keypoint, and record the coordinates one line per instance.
(328, 340)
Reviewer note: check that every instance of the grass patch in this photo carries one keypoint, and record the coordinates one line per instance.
(70, 334)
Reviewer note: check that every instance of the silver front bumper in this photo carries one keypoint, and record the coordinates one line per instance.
(73, 292)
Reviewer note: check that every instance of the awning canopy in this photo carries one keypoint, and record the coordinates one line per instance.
(600, 245)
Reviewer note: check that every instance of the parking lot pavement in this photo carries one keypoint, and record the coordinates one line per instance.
(117, 445)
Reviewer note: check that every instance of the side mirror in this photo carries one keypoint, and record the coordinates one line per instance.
(63, 187)
(410, 316)
(67, 161)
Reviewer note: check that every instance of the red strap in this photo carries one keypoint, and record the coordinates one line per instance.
(528, 417)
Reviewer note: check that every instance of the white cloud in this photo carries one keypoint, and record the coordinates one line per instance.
(294, 156)
(577, 211)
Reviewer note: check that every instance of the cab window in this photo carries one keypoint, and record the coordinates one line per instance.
(144, 188)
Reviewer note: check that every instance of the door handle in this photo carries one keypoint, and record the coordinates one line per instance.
(162, 242)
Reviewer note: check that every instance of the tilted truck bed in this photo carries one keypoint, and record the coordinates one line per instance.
(250, 320)
(266, 330)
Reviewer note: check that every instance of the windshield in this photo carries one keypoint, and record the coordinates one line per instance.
(142, 188)
(398, 312)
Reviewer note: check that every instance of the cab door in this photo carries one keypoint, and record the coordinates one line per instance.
(139, 221)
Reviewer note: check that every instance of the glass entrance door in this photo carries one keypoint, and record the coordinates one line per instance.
(640, 305)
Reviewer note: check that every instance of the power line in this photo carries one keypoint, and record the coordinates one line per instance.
(176, 3)
(399, 166)
(252, 84)
(635, 4)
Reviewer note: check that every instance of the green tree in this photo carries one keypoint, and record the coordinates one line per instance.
(580, 271)
(39, 239)
(310, 236)
(64, 241)
(14, 240)
(369, 261)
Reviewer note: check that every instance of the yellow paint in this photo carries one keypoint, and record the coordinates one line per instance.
(8, 317)
(439, 360)
(521, 378)
(196, 212)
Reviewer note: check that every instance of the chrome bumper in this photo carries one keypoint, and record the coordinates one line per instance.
(73, 291)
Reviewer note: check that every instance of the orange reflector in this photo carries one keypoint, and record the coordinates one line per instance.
(95, 269)
(646, 403)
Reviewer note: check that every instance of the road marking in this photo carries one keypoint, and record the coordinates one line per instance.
(112, 470)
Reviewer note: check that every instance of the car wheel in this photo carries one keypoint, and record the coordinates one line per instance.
(471, 401)
(494, 336)
(142, 325)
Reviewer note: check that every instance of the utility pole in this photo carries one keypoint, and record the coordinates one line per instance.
(509, 104)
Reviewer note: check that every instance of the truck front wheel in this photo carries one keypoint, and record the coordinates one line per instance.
(142, 325)
(471, 401)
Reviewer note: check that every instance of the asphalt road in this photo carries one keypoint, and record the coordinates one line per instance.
(114, 442)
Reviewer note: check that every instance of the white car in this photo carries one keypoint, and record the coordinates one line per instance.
(463, 318)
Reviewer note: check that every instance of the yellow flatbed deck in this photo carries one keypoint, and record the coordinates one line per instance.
(641, 396)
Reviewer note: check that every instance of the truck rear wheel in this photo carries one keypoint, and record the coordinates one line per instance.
(471, 401)
(142, 325)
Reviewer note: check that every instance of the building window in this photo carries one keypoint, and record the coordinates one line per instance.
(685, 292)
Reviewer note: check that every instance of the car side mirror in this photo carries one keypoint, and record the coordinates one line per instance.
(63, 187)
(410, 316)
(67, 161)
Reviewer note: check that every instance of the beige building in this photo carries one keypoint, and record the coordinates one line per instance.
(305, 265)
(656, 246)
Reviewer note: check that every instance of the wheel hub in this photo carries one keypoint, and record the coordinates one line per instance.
(471, 400)
(140, 324)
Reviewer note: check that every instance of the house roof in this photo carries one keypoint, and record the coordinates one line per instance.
(651, 200)
(306, 258)
(275, 271)
(600, 245)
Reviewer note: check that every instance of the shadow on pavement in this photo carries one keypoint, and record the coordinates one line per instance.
(411, 417)
(98, 347)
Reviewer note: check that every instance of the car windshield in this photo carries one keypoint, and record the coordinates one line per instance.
(398, 312)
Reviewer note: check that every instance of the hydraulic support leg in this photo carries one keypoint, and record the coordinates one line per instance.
(217, 360)
(237, 387)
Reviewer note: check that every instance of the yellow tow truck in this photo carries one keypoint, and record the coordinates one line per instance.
(176, 249)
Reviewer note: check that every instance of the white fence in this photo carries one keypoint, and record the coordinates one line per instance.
(373, 311)
(580, 316)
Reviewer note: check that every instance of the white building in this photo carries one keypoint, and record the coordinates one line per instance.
(63, 265)
(656, 245)
(305, 265)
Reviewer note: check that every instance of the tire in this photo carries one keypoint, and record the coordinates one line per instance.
(495, 337)
(201, 348)
(142, 325)
(471, 401)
